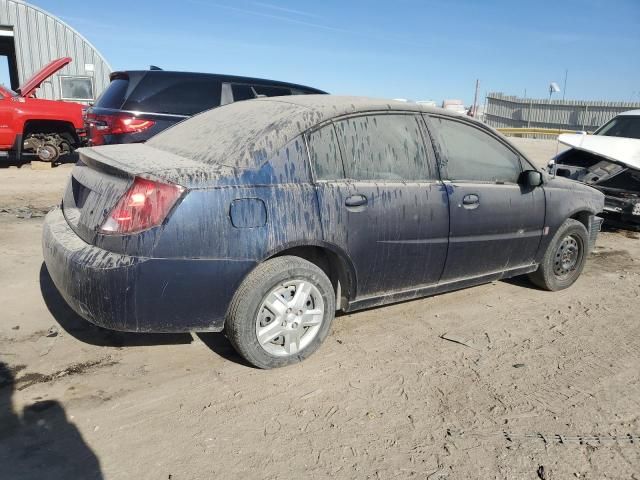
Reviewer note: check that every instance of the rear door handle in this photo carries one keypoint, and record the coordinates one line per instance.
(357, 200)
(471, 201)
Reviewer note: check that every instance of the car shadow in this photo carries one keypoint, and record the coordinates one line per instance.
(86, 332)
(41, 441)
(521, 281)
(220, 345)
(73, 158)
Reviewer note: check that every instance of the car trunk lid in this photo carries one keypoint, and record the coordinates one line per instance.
(103, 175)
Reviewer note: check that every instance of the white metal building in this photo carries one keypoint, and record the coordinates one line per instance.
(30, 38)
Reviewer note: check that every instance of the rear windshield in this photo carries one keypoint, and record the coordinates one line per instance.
(623, 126)
(113, 96)
(241, 135)
(174, 94)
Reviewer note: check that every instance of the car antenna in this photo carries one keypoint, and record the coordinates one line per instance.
(153, 67)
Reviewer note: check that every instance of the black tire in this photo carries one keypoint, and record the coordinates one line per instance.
(241, 321)
(557, 270)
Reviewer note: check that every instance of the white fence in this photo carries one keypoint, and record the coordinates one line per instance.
(513, 112)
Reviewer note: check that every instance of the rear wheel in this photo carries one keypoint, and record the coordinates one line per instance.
(281, 312)
(564, 259)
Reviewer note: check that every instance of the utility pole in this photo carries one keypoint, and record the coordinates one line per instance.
(564, 88)
(474, 109)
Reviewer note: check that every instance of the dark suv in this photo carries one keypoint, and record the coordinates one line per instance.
(264, 217)
(139, 104)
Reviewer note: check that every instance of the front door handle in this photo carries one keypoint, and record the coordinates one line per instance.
(357, 200)
(471, 201)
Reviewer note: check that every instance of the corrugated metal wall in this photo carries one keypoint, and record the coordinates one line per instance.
(507, 111)
(40, 37)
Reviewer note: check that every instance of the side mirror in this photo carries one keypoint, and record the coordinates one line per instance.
(531, 178)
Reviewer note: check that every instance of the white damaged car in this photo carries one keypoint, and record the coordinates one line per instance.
(608, 160)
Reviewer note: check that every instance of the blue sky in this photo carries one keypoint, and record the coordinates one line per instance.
(430, 49)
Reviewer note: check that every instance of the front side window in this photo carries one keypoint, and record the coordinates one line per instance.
(384, 147)
(325, 154)
(473, 155)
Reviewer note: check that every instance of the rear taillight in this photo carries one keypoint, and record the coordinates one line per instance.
(101, 125)
(145, 205)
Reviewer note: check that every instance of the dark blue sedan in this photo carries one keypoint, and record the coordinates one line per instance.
(262, 218)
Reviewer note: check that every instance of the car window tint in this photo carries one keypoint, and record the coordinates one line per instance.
(471, 154)
(384, 147)
(622, 126)
(270, 91)
(176, 94)
(325, 154)
(242, 92)
(113, 96)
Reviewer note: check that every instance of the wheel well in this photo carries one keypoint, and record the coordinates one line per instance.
(51, 126)
(582, 217)
(332, 264)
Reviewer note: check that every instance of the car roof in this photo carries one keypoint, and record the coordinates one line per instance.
(326, 107)
(219, 76)
(247, 132)
(629, 113)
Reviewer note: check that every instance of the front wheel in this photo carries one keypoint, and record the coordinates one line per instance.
(564, 259)
(281, 312)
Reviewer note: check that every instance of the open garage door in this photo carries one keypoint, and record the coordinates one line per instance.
(8, 63)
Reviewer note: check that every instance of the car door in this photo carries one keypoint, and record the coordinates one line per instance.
(495, 223)
(7, 131)
(381, 200)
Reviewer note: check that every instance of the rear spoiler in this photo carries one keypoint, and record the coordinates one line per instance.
(118, 75)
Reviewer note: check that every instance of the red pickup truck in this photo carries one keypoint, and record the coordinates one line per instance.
(38, 129)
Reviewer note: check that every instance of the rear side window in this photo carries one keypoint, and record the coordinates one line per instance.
(473, 155)
(384, 147)
(270, 91)
(243, 91)
(325, 154)
(113, 96)
(174, 94)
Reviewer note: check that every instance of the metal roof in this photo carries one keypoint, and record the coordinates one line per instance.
(41, 37)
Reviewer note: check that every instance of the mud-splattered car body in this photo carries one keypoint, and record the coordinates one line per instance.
(259, 179)
(610, 164)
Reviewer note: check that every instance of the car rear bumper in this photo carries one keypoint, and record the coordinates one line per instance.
(138, 294)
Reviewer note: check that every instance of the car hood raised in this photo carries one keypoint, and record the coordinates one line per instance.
(625, 151)
(28, 87)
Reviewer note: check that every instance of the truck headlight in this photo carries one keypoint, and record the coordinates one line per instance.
(636, 209)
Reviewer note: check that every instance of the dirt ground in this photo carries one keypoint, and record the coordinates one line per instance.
(499, 381)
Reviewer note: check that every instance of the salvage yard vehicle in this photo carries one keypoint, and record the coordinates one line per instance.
(608, 160)
(262, 218)
(139, 104)
(33, 128)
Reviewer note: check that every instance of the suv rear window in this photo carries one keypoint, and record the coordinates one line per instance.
(113, 96)
(174, 94)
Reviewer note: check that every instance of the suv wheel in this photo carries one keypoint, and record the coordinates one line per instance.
(281, 312)
(564, 259)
